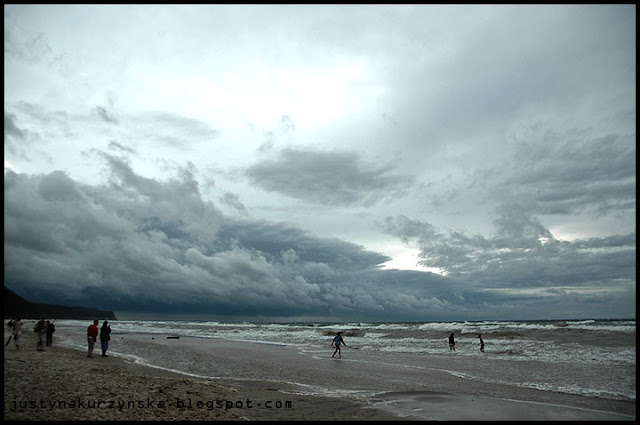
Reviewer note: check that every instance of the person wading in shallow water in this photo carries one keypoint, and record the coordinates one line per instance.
(452, 343)
(481, 343)
(337, 342)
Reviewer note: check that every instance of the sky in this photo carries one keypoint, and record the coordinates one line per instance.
(322, 162)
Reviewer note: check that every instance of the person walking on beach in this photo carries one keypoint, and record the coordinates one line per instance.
(337, 342)
(40, 330)
(452, 343)
(92, 334)
(481, 343)
(105, 331)
(15, 326)
(51, 328)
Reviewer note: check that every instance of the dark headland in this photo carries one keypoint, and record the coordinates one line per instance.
(16, 306)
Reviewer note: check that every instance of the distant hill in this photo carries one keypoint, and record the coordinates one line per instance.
(16, 306)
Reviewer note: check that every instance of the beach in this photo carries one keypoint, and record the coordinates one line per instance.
(61, 383)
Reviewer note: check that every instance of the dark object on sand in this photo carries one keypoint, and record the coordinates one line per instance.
(173, 337)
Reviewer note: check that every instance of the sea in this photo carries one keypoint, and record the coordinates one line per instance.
(592, 358)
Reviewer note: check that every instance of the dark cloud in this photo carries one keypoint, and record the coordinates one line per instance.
(330, 178)
(557, 174)
(139, 244)
(272, 239)
(145, 245)
(523, 254)
(550, 173)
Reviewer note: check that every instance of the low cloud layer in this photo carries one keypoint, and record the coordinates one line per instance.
(139, 244)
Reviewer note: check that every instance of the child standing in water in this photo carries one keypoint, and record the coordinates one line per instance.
(338, 341)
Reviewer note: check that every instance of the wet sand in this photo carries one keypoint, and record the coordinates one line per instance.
(437, 406)
(63, 384)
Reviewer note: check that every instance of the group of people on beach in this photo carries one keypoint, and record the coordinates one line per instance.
(92, 336)
(43, 329)
(452, 342)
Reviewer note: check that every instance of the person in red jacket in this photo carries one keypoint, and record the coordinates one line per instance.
(92, 334)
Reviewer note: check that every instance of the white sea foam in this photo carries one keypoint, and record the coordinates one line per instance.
(579, 346)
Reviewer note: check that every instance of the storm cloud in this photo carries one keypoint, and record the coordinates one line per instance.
(360, 162)
(332, 178)
(107, 245)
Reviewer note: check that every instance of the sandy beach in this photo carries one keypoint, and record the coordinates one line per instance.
(63, 384)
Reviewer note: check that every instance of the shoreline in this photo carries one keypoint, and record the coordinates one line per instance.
(61, 383)
(132, 391)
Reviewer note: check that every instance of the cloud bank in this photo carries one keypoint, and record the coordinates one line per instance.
(140, 244)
